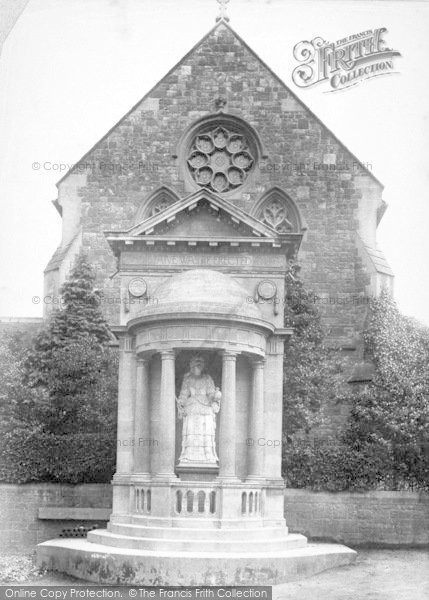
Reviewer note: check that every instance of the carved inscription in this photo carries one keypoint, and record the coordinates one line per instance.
(200, 260)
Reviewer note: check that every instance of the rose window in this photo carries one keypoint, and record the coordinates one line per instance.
(220, 159)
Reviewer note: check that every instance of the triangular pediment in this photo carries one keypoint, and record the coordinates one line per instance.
(203, 215)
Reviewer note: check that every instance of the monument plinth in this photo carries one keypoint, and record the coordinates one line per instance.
(201, 378)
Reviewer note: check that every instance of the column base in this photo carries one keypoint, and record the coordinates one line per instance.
(141, 477)
(228, 479)
(255, 479)
(164, 477)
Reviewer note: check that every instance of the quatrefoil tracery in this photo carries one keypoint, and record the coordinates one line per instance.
(220, 160)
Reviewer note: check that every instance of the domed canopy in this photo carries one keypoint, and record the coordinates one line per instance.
(202, 291)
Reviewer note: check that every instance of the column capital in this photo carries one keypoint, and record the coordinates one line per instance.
(142, 361)
(258, 362)
(167, 354)
(126, 343)
(229, 355)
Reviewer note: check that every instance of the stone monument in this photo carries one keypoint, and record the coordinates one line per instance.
(203, 502)
(198, 493)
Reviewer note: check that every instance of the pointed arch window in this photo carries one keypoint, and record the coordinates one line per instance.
(277, 210)
(155, 203)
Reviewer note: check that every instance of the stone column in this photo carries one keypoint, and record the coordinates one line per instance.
(167, 415)
(142, 441)
(125, 435)
(273, 408)
(227, 431)
(126, 394)
(255, 452)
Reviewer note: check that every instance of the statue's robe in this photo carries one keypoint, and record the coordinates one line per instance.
(198, 410)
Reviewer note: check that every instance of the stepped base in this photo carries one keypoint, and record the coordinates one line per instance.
(184, 540)
(111, 565)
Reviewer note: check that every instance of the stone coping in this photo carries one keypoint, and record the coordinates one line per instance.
(368, 494)
(66, 513)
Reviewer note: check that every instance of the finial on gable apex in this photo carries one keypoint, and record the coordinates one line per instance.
(222, 16)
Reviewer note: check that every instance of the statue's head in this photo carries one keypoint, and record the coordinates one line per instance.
(197, 365)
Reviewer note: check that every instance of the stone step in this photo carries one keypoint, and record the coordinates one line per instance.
(184, 544)
(255, 534)
(106, 565)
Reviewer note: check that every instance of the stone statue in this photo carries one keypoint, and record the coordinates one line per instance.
(198, 403)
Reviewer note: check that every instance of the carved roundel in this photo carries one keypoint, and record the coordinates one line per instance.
(220, 159)
(267, 289)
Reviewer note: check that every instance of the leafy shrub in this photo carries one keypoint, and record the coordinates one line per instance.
(385, 443)
(28, 455)
(395, 406)
(338, 467)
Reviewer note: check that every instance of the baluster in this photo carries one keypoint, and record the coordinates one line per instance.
(179, 501)
(243, 503)
(190, 501)
(213, 502)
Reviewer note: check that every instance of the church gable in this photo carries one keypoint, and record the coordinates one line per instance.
(222, 123)
(221, 74)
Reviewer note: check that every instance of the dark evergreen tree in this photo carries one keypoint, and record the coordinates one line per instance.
(71, 362)
(78, 320)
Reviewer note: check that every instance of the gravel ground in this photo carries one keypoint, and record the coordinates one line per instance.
(377, 575)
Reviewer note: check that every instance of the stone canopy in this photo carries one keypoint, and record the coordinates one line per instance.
(202, 291)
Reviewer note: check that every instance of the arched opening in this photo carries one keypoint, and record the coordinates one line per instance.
(156, 202)
(277, 210)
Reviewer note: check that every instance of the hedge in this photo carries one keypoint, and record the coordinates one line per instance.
(27, 456)
(338, 467)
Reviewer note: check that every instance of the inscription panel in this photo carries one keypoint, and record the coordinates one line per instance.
(188, 260)
(209, 336)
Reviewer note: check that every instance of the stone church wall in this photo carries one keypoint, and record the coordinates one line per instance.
(143, 152)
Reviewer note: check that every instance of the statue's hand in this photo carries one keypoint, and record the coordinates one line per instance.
(180, 408)
(217, 396)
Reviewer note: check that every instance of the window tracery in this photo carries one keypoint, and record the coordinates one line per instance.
(220, 159)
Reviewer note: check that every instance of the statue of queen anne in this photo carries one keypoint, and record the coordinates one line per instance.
(198, 403)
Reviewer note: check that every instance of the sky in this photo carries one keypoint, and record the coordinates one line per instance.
(69, 70)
